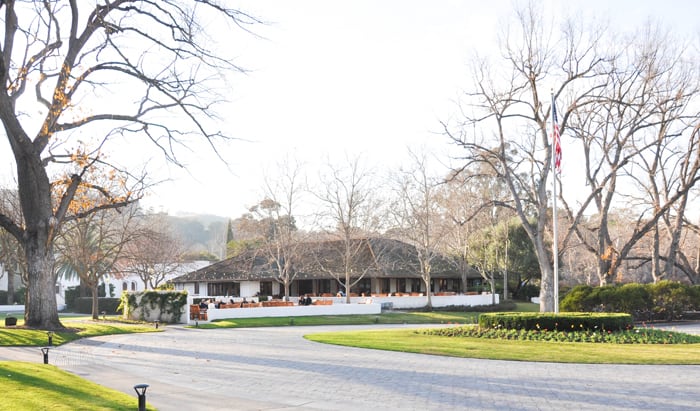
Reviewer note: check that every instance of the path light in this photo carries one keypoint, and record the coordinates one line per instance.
(104, 315)
(156, 323)
(141, 392)
(50, 335)
(45, 351)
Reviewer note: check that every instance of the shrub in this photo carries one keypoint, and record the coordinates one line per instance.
(665, 300)
(164, 306)
(556, 322)
(83, 305)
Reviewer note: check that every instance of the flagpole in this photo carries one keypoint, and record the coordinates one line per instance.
(555, 247)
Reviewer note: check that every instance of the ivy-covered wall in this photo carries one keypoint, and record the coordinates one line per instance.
(162, 306)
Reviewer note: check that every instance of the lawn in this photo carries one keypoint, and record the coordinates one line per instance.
(435, 317)
(409, 340)
(78, 327)
(28, 386)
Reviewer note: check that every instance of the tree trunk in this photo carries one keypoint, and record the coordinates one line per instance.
(95, 300)
(10, 287)
(547, 282)
(37, 239)
(41, 310)
(429, 301)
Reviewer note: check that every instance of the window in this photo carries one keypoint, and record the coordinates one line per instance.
(266, 288)
(224, 289)
(125, 286)
(133, 286)
(324, 286)
(196, 288)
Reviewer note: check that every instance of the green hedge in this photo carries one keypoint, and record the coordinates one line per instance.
(665, 300)
(557, 322)
(83, 305)
(18, 297)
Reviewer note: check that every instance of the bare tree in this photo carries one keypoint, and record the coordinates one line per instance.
(417, 214)
(90, 247)
(282, 242)
(74, 62)
(12, 258)
(350, 212)
(512, 113)
(637, 137)
(152, 252)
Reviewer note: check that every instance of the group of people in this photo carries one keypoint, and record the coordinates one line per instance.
(206, 304)
(305, 300)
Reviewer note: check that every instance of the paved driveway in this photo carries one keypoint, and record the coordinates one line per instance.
(276, 369)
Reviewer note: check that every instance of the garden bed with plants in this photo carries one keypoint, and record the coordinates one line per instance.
(614, 328)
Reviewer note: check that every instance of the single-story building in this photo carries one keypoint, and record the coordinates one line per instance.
(379, 266)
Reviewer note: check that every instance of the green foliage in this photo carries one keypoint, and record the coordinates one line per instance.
(556, 322)
(18, 297)
(164, 302)
(71, 295)
(665, 300)
(631, 336)
(83, 305)
(200, 256)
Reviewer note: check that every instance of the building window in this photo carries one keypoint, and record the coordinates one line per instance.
(196, 288)
(133, 286)
(401, 285)
(125, 286)
(224, 289)
(324, 286)
(266, 288)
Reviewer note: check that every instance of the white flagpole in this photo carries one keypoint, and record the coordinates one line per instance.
(555, 247)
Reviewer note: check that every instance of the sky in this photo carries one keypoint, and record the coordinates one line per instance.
(330, 79)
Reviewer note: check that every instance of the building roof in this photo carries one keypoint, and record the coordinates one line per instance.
(375, 257)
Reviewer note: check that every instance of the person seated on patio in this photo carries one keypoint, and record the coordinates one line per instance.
(340, 294)
(203, 304)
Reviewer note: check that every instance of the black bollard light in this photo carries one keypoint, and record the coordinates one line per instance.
(141, 392)
(156, 323)
(50, 335)
(45, 351)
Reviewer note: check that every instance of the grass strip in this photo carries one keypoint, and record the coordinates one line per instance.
(28, 386)
(18, 336)
(435, 317)
(409, 340)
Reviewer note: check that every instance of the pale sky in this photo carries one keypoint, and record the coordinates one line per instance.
(362, 77)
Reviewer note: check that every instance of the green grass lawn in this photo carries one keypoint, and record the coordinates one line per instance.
(384, 318)
(593, 353)
(79, 327)
(28, 386)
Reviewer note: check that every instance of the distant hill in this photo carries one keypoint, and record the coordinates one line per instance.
(201, 232)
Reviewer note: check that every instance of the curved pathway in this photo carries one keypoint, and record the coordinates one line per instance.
(277, 369)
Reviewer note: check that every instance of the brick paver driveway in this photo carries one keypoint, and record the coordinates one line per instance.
(276, 369)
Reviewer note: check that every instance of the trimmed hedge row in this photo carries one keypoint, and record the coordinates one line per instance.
(557, 322)
(83, 305)
(664, 300)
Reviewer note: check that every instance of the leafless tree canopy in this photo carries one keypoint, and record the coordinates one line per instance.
(78, 75)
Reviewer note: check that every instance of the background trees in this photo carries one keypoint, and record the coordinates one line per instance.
(626, 101)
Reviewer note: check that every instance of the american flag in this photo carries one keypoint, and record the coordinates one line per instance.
(556, 138)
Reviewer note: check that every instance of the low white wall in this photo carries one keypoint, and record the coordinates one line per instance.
(358, 305)
(402, 303)
(12, 308)
(295, 311)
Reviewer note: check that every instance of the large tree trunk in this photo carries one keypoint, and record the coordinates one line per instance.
(41, 310)
(35, 198)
